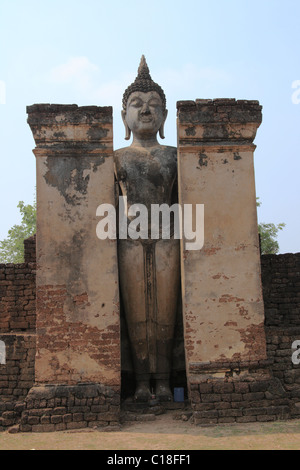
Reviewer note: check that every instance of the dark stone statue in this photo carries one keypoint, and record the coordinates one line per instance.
(149, 268)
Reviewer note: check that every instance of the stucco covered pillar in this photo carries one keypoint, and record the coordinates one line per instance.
(78, 331)
(222, 296)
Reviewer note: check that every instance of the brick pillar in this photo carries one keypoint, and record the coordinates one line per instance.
(78, 331)
(222, 296)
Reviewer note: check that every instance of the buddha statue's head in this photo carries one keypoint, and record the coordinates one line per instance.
(144, 106)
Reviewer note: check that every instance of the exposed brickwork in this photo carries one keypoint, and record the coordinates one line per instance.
(279, 344)
(30, 249)
(281, 289)
(270, 398)
(17, 332)
(221, 119)
(103, 345)
(16, 376)
(235, 399)
(17, 297)
(56, 408)
(241, 401)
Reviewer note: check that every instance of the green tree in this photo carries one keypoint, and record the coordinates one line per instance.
(268, 235)
(12, 248)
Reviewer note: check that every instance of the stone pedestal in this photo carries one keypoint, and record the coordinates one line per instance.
(222, 296)
(78, 331)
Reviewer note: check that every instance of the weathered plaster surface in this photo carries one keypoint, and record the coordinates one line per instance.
(77, 274)
(222, 297)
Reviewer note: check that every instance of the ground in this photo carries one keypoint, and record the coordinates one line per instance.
(164, 433)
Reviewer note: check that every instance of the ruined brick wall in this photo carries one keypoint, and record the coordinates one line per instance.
(17, 334)
(17, 297)
(214, 401)
(281, 289)
(280, 353)
(60, 407)
(16, 376)
(264, 397)
(238, 400)
(30, 249)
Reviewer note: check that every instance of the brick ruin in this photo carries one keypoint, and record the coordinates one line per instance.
(275, 395)
(273, 391)
(64, 350)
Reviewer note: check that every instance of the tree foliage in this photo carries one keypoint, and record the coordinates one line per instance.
(12, 248)
(268, 235)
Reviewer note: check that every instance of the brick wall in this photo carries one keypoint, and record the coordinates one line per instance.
(18, 292)
(17, 297)
(272, 392)
(59, 407)
(17, 334)
(237, 399)
(30, 249)
(281, 289)
(240, 400)
(16, 376)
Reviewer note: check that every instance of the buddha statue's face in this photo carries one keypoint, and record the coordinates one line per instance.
(145, 114)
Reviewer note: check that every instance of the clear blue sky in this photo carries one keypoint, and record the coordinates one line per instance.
(87, 52)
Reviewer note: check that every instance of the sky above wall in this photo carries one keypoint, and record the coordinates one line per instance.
(87, 53)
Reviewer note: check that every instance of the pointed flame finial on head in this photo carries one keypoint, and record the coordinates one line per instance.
(144, 83)
(143, 68)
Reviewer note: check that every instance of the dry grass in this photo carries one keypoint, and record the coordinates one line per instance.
(164, 433)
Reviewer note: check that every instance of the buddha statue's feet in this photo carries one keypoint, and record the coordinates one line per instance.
(163, 392)
(142, 393)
